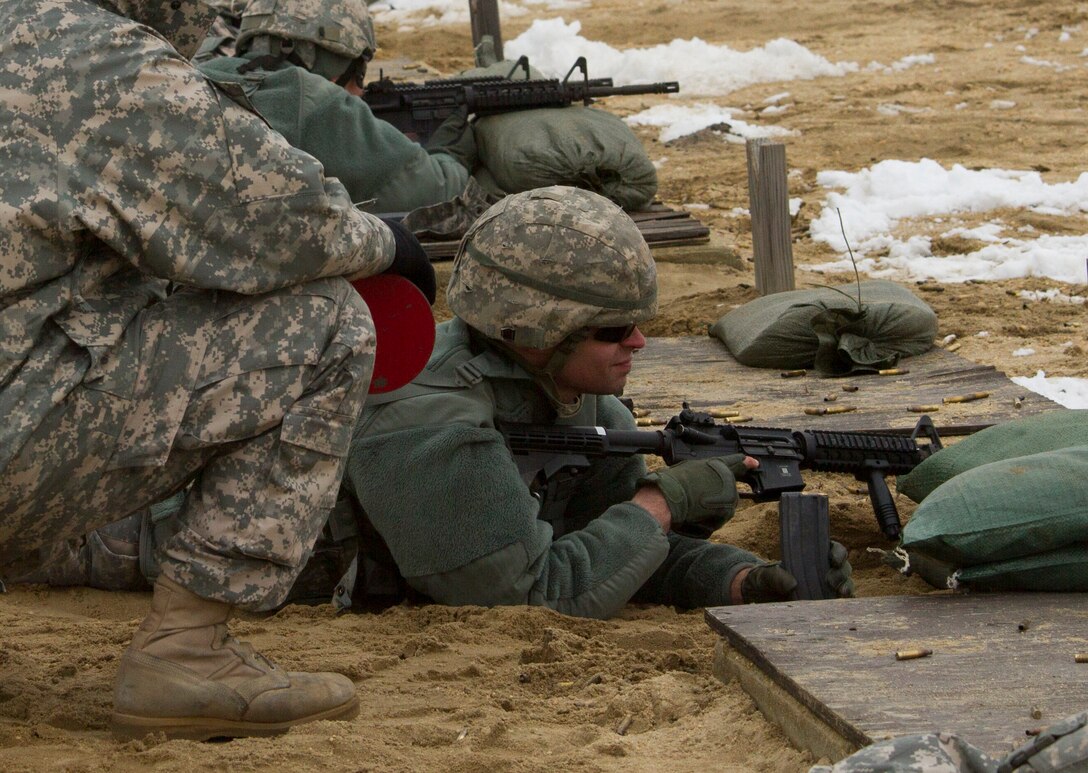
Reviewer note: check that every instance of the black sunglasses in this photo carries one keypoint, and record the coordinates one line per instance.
(614, 334)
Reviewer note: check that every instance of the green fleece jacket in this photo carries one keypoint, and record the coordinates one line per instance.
(439, 484)
(373, 159)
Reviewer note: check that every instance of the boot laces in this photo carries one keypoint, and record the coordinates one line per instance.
(246, 652)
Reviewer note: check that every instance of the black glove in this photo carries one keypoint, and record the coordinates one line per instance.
(767, 582)
(771, 582)
(410, 260)
(456, 138)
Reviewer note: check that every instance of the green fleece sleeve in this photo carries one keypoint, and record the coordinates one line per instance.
(463, 528)
(695, 574)
(371, 157)
(425, 179)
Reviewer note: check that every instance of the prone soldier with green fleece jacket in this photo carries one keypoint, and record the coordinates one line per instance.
(548, 289)
(301, 65)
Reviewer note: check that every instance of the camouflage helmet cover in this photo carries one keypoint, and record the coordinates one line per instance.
(543, 264)
(342, 27)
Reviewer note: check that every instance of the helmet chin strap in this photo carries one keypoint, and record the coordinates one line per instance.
(355, 73)
(545, 375)
(273, 53)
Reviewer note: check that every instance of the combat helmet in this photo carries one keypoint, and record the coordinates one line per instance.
(540, 266)
(324, 36)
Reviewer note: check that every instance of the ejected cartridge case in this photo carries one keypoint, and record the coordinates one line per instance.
(825, 410)
(913, 654)
(967, 398)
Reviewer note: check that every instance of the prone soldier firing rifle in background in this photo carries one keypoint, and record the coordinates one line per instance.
(302, 63)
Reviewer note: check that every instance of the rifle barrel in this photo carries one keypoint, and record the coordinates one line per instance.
(666, 87)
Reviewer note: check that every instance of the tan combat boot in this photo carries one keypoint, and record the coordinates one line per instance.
(185, 676)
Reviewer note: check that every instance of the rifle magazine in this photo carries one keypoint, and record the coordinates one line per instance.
(805, 523)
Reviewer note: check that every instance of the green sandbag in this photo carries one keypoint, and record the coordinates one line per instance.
(1023, 437)
(823, 328)
(1005, 510)
(578, 146)
(1063, 570)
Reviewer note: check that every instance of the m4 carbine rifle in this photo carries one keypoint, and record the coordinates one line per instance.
(418, 109)
(782, 453)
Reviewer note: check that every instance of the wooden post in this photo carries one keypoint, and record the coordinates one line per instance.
(769, 204)
(484, 17)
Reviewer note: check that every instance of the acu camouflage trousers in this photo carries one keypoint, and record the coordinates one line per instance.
(251, 398)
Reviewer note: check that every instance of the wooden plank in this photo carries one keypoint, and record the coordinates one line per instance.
(803, 727)
(701, 371)
(655, 236)
(646, 215)
(672, 229)
(985, 676)
(769, 205)
(659, 225)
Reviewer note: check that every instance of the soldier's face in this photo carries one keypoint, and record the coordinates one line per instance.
(598, 367)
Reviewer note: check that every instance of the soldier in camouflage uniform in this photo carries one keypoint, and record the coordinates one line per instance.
(171, 312)
(548, 289)
(1062, 746)
(301, 63)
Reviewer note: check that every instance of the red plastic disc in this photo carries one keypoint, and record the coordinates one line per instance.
(405, 329)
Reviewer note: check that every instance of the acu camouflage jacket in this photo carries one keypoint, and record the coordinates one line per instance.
(123, 169)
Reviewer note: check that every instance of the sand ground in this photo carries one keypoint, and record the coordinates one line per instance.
(526, 689)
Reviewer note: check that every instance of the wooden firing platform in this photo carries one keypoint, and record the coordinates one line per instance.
(702, 372)
(826, 670)
(659, 225)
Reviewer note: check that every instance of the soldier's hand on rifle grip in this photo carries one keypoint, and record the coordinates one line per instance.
(410, 260)
(456, 138)
(701, 493)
